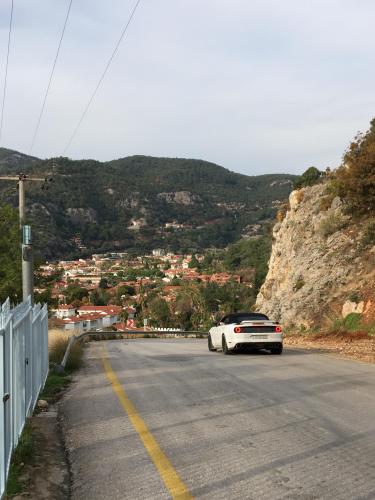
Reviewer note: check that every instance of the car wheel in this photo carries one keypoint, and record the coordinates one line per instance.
(277, 350)
(225, 347)
(210, 345)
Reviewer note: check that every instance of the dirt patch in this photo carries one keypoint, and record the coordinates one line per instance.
(359, 347)
(46, 477)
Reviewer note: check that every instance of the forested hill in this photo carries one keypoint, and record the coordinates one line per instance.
(140, 203)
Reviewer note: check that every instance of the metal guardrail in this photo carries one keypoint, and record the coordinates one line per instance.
(157, 333)
(23, 372)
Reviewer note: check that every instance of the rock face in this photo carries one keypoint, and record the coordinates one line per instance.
(317, 262)
(82, 215)
(179, 197)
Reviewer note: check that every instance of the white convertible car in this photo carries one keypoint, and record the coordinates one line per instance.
(250, 331)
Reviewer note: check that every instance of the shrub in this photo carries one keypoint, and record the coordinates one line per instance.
(300, 195)
(331, 224)
(368, 237)
(298, 284)
(310, 177)
(354, 297)
(352, 321)
(326, 202)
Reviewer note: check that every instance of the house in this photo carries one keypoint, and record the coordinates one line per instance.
(75, 323)
(65, 311)
(109, 314)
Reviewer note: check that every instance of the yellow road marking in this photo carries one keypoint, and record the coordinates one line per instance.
(172, 480)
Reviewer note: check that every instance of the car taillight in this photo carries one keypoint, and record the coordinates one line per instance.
(237, 329)
(278, 329)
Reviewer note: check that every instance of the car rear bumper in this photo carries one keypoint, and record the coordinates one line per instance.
(254, 338)
(257, 345)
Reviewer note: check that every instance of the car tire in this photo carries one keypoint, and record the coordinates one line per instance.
(210, 345)
(226, 351)
(277, 350)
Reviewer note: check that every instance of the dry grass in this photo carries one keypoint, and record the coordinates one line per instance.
(58, 342)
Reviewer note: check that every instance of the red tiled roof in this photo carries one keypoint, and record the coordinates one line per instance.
(91, 316)
(101, 309)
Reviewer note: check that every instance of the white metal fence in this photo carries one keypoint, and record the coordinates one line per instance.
(23, 371)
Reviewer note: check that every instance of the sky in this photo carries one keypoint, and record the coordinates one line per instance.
(257, 86)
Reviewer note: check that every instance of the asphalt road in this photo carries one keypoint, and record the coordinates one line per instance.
(296, 426)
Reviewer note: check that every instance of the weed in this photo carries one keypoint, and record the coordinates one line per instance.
(326, 202)
(298, 284)
(354, 297)
(352, 321)
(22, 454)
(54, 385)
(368, 237)
(331, 224)
(351, 327)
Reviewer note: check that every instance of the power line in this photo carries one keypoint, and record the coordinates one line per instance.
(50, 78)
(101, 78)
(6, 71)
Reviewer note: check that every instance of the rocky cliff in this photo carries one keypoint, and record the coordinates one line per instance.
(322, 262)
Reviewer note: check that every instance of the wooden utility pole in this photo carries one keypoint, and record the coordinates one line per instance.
(26, 241)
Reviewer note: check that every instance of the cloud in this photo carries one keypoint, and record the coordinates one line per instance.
(260, 86)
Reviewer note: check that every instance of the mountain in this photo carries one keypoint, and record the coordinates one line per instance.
(140, 203)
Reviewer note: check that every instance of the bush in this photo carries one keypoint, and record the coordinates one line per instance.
(310, 177)
(352, 321)
(354, 297)
(281, 213)
(326, 202)
(298, 284)
(368, 238)
(331, 224)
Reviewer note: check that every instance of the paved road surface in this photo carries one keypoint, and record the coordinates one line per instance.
(296, 426)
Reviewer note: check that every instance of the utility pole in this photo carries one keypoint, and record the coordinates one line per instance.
(26, 242)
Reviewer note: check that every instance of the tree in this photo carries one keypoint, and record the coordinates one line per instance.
(10, 255)
(125, 290)
(160, 313)
(194, 263)
(355, 179)
(310, 177)
(175, 281)
(75, 293)
(103, 283)
(46, 297)
(99, 297)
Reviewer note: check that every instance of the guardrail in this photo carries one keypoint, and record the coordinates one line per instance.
(23, 372)
(75, 338)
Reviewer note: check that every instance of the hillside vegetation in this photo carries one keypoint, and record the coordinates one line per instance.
(140, 203)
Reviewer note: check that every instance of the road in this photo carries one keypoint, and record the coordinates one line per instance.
(159, 414)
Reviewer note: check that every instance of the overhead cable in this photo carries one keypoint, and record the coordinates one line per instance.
(101, 77)
(50, 78)
(6, 71)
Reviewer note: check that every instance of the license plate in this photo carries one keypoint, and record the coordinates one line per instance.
(259, 337)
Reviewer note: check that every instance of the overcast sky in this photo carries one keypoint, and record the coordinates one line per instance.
(257, 86)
